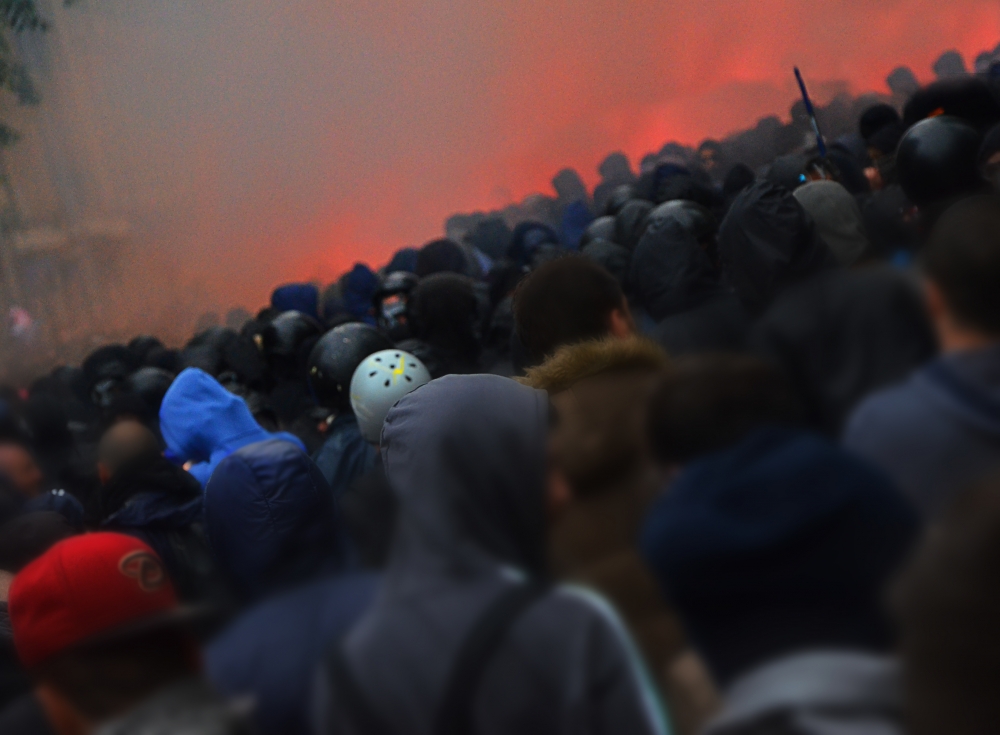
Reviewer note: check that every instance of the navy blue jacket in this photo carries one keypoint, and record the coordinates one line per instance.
(273, 651)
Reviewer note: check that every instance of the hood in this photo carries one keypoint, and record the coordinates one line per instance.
(358, 289)
(768, 242)
(465, 456)
(271, 519)
(671, 272)
(967, 385)
(403, 260)
(444, 310)
(631, 223)
(838, 219)
(150, 476)
(199, 417)
(303, 297)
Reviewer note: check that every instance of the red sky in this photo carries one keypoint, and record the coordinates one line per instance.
(287, 140)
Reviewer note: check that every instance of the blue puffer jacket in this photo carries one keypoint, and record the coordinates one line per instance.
(271, 520)
(204, 423)
(273, 527)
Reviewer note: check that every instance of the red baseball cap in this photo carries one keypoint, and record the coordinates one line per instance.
(83, 588)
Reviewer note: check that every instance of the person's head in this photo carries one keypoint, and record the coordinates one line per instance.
(781, 544)
(378, 383)
(961, 265)
(936, 163)
(565, 301)
(706, 403)
(271, 520)
(123, 443)
(446, 315)
(875, 118)
(440, 256)
(95, 622)
(20, 467)
(25, 538)
(599, 391)
(837, 217)
(336, 356)
(466, 458)
(768, 242)
(947, 603)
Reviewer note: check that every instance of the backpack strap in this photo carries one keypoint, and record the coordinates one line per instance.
(455, 713)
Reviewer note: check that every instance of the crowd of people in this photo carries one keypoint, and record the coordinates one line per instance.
(715, 455)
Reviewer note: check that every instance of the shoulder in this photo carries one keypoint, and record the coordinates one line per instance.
(890, 413)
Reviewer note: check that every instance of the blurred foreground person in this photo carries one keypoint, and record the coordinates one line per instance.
(947, 604)
(369, 505)
(776, 553)
(147, 496)
(202, 423)
(941, 429)
(464, 635)
(344, 455)
(274, 529)
(565, 301)
(97, 624)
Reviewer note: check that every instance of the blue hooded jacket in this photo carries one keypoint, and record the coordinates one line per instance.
(275, 532)
(203, 423)
(303, 297)
(359, 287)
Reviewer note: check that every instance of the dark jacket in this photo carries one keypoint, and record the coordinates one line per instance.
(158, 502)
(203, 423)
(24, 716)
(840, 335)
(271, 520)
(14, 681)
(272, 651)
(465, 456)
(936, 432)
(345, 455)
(767, 242)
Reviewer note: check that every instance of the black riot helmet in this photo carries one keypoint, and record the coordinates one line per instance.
(282, 337)
(602, 228)
(335, 358)
(392, 304)
(150, 384)
(936, 161)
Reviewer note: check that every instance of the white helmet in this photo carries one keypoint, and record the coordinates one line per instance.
(380, 380)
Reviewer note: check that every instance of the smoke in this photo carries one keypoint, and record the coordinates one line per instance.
(252, 142)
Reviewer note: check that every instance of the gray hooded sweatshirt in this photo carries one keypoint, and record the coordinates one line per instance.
(465, 456)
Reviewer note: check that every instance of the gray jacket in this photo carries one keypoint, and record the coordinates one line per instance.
(814, 693)
(465, 456)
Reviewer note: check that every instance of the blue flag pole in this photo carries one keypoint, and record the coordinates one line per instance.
(812, 113)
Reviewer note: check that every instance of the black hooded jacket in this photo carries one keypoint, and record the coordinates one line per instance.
(768, 242)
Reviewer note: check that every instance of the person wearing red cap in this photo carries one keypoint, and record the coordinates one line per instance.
(97, 624)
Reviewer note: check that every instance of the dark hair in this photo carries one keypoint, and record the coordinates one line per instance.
(947, 604)
(708, 402)
(106, 680)
(962, 258)
(564, 301)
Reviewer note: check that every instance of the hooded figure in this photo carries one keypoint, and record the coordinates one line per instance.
(465, 456)
(274, 527)
(837, 217)
(445, 313)
(767, 242)
(440, 256)
(203, 423)
(613, 258)
(303, 297)
(358, 288)
(674, 279)
(777, 552)
(630, 223)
